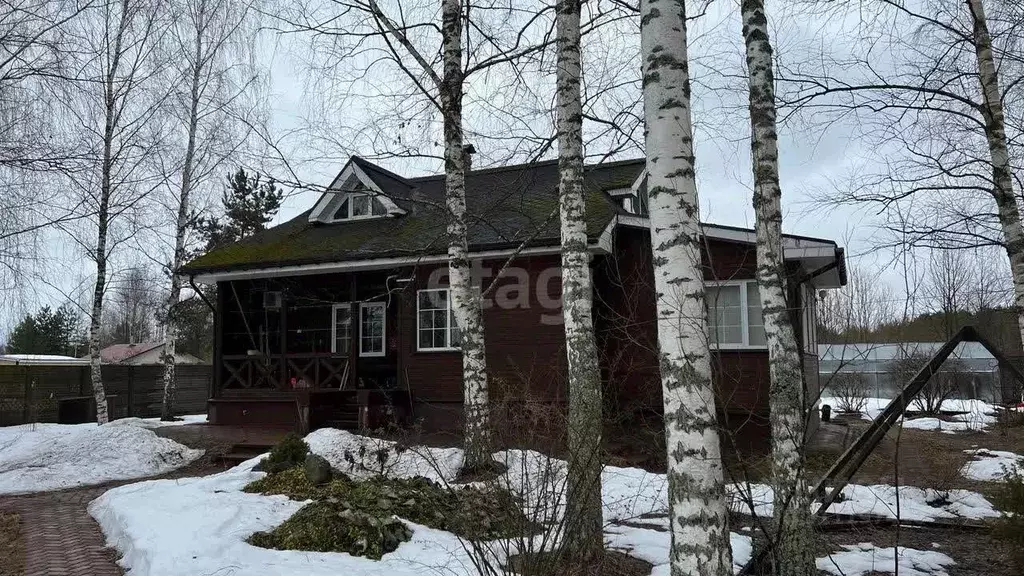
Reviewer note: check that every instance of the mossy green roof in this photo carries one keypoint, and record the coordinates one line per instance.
(505, 206)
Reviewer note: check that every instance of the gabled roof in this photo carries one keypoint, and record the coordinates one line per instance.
(505, 207)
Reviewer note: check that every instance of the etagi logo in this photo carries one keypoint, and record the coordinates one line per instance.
(513, 288)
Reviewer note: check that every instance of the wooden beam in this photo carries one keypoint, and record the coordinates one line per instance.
(851, 460)
(1001, 358)
(854, 457)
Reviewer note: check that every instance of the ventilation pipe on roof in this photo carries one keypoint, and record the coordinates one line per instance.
(467, 156)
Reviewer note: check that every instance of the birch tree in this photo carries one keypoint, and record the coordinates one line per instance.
(1007, 206)
(116, 107)
(698, 517)
(585, 537)
(202, 35)
(445, 92)
(466, 300)
(793, 552)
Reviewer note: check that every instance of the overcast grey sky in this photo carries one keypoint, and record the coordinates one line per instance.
(319, 115)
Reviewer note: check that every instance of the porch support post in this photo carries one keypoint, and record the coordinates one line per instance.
(283, 378)
(353, 342)
(218, 340)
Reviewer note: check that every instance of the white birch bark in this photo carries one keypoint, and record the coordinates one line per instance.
(465, 297)
(181, 222)
(793, 553)
(697, 506)
(111, 102)
(1002, 173)
(584, 532)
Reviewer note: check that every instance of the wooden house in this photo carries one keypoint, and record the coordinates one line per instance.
(341, 317)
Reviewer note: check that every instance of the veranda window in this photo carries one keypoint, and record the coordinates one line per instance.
(341, 329)
(371, 328)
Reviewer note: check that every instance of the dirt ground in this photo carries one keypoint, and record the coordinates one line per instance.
(929, 459)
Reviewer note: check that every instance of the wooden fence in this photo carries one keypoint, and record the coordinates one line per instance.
(32, 393)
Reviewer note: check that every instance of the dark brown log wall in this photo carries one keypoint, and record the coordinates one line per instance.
(627, 328)
(525, 343)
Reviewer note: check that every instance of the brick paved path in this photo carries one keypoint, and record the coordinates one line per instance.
(61, 539)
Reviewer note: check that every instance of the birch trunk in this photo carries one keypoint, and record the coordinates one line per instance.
(697, 506)
(180, 229)
(793, 553)
(465, 298)
(110, 117)
(584, 528)
(1002, 173)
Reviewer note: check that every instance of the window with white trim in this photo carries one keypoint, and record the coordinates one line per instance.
(435, 321)
(734, 315)
(372, 328)
(341, 329)
(359, 206)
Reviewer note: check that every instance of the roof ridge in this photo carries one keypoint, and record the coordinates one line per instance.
(524, 165)
(359, 159)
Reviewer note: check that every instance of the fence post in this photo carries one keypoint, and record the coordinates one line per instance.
(26, 408)
(131, 391)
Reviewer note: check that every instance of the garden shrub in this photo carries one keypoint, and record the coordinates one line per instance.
(470, 512)
(1009, 499)
(290, 451)
(329, 526)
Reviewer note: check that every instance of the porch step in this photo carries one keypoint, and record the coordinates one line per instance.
(239, 453)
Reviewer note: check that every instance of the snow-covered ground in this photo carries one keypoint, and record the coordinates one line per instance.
(41, 457)
(922, 504)
(990, 465)
(199, 526)
(192, 526)
(865, 558)
(975, 415)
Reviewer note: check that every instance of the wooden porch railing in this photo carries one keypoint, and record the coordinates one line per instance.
(276, 371)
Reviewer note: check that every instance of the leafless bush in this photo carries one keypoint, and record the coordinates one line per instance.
(943, 385)
(851, 392)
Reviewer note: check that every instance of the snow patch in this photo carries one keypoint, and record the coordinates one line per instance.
(973, 415)
(42, 457)
(922, 504)
(158, 423)
(990, 465)
(865, 558)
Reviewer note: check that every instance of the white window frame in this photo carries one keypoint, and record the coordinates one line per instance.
(350, 196)
(334, 325)
(448, 329)
(383, 330)
(744, 317)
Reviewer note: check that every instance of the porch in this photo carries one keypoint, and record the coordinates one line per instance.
(307, 352)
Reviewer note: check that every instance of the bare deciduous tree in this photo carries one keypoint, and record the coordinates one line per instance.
(793, 549)
(583, 490)
(201, 38)
(116, 107)
(934, 107)
(698, 517)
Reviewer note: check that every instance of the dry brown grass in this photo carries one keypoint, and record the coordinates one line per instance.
(12, 548)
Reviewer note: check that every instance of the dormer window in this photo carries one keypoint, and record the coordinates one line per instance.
(633, 200)
(355, 195)
(356, 206)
